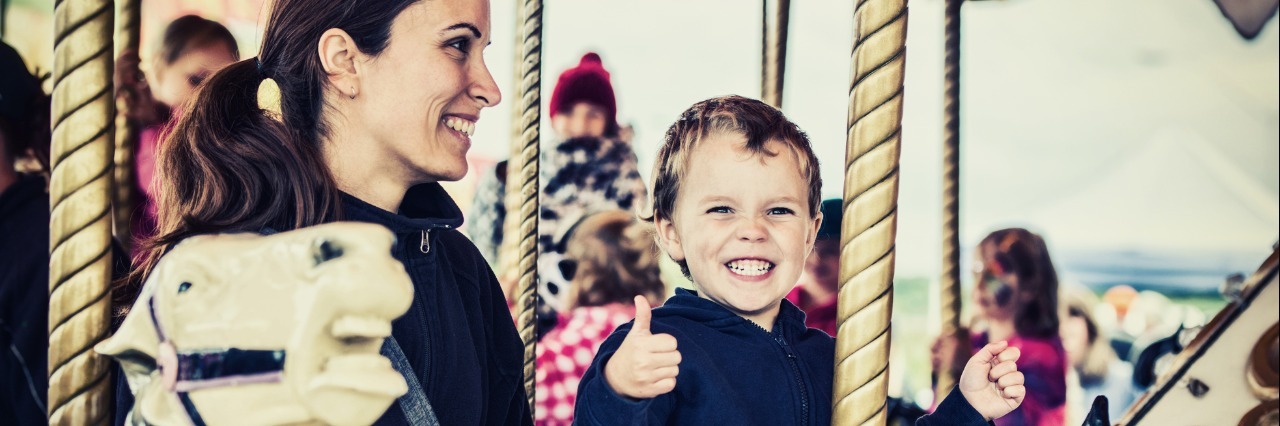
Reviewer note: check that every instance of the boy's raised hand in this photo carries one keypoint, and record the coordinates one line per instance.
(991, 381)
(646, 364)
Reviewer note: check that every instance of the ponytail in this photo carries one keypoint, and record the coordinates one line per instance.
(231, 166)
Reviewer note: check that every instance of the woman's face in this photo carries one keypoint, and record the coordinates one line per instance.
(175, 82)
(421, 97)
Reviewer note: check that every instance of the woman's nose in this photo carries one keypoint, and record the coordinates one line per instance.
(484, 88)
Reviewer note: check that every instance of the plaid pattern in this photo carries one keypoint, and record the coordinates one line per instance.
(565, 354)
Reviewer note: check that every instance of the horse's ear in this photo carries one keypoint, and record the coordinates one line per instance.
(135, 345)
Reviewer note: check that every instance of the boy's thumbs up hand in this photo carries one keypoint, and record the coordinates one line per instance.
(991, 381)
(646, 364)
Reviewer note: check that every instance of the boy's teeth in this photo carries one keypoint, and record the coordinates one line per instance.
(750, 267)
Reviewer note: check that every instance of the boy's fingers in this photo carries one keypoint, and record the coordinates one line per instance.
(660, 343)
(1002, 369)
(663, 359)
(1011, 379)
(1015, 393)
(666, 372)
(664, 386)
(991, 350)
(643, 316)
(1009, 354)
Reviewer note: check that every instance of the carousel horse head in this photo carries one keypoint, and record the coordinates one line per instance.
(248, 329)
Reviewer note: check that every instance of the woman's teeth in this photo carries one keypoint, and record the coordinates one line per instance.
(462, 126)
(751, 268)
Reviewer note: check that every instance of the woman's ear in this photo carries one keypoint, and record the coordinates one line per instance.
(338, 54)
(668, 238)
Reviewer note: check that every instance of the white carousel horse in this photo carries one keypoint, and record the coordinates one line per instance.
(280, 329)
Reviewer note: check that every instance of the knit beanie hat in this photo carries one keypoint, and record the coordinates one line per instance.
(587, 82)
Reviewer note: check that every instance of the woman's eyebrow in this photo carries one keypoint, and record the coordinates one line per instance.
(463, 25)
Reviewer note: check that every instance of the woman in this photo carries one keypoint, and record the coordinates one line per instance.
(377, 104)
(1016, 299)
(610, 258)
(193, 48)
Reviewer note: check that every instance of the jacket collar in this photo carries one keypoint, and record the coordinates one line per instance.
(687, 303)
(425, 206)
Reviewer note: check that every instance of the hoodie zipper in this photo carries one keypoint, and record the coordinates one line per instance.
(795, 370)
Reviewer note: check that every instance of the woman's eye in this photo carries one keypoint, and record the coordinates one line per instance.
(462, 44)
(195, 80)
(720, 209)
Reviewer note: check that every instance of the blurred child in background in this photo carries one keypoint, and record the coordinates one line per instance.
(193, 48)
(1015, 299)
(816, 293)
(610, 259)
(1098, 370)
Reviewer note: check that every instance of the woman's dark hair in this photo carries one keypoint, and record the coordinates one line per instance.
(191, 32)
(230, 166)
(1024, 254)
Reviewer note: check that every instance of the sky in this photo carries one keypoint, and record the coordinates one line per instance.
(1105, 125)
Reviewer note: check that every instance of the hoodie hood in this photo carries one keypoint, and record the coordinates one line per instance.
(687, 304)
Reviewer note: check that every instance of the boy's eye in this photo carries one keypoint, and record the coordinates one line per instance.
(781, 211)
(720, 209)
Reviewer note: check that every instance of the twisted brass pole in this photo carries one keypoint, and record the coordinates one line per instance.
(775, 18)
(870, 220)
(530, 103)
(509, 246)
(950, 279)
(128, 24)
(80, 217)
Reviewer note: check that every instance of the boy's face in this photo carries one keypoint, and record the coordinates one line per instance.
(743, 225)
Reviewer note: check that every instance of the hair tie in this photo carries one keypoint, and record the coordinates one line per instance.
(262, 72)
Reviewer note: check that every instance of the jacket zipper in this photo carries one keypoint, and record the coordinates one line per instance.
(424, 245)
(795, 370)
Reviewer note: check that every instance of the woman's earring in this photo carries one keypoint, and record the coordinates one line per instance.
(353, 92)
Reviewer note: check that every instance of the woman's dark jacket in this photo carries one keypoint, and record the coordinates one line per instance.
(458, 333)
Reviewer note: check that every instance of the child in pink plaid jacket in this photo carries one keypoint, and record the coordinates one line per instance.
(610, 257)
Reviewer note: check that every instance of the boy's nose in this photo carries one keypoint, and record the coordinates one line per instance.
(751, 230)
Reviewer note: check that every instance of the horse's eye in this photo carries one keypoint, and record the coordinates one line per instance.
(182, 288)
(325, 251)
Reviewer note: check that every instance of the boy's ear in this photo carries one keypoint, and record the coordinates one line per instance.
(338, 54)
(813, 236)
(668, 238)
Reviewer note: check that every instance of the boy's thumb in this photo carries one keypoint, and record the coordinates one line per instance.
(643, 315)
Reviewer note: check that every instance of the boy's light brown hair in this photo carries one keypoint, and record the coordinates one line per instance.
(757, 121)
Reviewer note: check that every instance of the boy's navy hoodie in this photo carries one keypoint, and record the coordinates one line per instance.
(734, 372)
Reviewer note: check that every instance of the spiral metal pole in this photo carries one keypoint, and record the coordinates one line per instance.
(531, 119)
(950, 280)
(509, 245)
(775, 18)
(128, 25)
(870, 222)
(80, 216)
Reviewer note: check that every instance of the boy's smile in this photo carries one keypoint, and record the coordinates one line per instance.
(743, 225)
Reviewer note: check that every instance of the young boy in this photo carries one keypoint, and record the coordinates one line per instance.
(735, 202)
